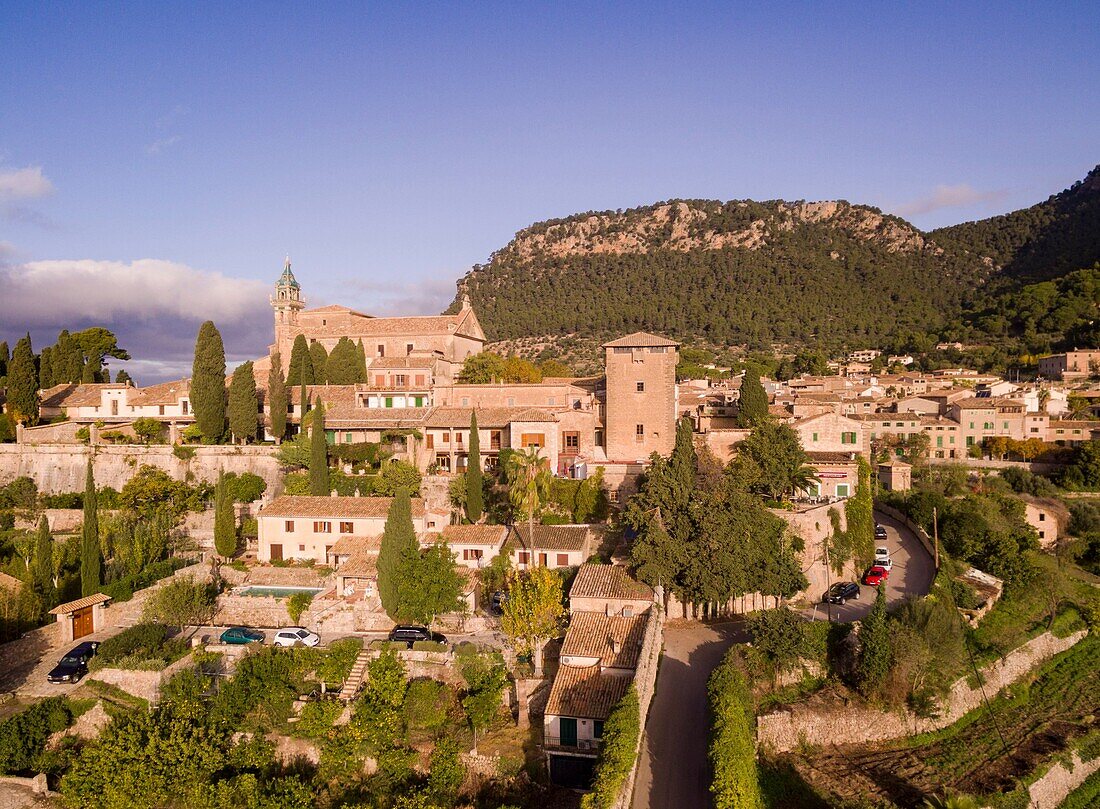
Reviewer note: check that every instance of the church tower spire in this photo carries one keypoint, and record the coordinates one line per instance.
(287, 302)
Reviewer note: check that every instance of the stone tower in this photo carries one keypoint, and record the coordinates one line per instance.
(287, 302)
(640, 414)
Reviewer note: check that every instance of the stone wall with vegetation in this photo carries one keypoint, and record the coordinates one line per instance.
(143, 684)
(823, 724)
(60, 468)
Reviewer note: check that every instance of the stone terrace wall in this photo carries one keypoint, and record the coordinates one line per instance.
(824, 724)
(144, 684)
(59, 468)
(1057, 782)
(645, 679)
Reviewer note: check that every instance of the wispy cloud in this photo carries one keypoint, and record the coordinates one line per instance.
(157, 146)
(950, 196)
(24, 183)
(164, 125)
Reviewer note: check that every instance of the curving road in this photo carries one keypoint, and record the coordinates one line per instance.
(672, 771)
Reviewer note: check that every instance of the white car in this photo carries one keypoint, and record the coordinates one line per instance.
(882, 556)
(295, 635)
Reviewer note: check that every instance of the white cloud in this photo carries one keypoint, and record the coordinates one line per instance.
(108, 290)
(25, 183)
(950, 196)
(158, 146)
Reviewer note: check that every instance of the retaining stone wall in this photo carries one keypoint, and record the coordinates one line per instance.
(645, 679)
(144, 684)
(1053, 787)
(824, 724)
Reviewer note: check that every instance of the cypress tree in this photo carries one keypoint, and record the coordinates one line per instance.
(5, 355)
(45, 368)
(74, 357)
(318, 453)
(122, 377)
(361, 360)
(225, 529)
(300, 371)
(474, 498)
(43, 559)
(398, 546)
(91, 558)
(92, 368)
(876, 653)
(318, 356)
(23, 384)
(208, 383)
(276, 397)
(752, 406)
(342, 367)
(243, 404)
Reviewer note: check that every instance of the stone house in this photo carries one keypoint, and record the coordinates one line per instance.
(557, 546)
(1048, 516)
(473, 546)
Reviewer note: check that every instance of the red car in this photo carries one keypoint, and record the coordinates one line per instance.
(876, 576)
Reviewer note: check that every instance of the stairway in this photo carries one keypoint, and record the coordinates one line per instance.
(355, 676)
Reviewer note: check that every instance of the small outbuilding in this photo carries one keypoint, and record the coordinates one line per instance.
(82, 617)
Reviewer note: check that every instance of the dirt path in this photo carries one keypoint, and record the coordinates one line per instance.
(673, 770)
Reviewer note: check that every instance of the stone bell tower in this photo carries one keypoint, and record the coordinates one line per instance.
(287, 302)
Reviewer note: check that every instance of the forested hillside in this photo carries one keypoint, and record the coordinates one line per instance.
(827, 274)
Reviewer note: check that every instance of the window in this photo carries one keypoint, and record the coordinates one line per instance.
(641, 387)
(465, 401)
(322, 527)
(511, 401)
(472, 554)
(639, 432)
(431, 441)
(302, 548)
(847, 438)
(1042, 516)
(408, 348)
(597, 729)
(551, 401)
(1005, 425)
(494, 439)
(114, 407)
(571, 440)
(458, 437)
(347, 438)
(389, 401)
(532, 440)
(381, 352)
(447, 437)
(400, 381)
(970, 440)
(524, 557)
(160, 410)
(814, 439)
(563, 560)
(186, 406)
(618, 350)
(288, 526)
(842, 490)
(347, 527)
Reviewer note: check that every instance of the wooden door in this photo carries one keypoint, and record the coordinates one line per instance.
(568, 727)
(276, 553)
(82, 623)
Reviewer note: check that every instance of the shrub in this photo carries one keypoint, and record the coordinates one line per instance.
(123, 589)
(141, 647)
(297, 604)
(427, 703)
(23, 737)
(736, 783)
(184, 453)
(182, 602)
(617, 753)
(338, 660)
(317, 718)
(245, 487)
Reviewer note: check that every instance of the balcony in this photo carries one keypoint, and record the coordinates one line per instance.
(579, 746)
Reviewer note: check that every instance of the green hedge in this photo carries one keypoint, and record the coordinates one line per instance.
(23, 737)
(143, 647)
(123, 589)
(617, 753)
(736, 782)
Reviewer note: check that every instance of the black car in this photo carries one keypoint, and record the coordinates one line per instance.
(841, 592)
(497, 600)
(880, 532)
(73, 666)
(410, 634)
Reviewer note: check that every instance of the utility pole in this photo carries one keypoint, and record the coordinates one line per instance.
(936, 535)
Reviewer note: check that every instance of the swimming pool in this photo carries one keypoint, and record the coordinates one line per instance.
(260, 591)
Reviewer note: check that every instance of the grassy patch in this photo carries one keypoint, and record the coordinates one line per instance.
(112, 695)
(1085, 796)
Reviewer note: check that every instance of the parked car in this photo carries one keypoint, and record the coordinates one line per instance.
(497, 600)
(880, 531)
(74, 665)
(241, 635)
(295, 635)
(841, 592)
(410, 634)
(876, 576)
(882, 554)
(887, 563)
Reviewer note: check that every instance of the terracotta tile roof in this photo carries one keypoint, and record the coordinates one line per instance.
(586, 693)
(85, 394)
(486, 416)
(359, 564)
(492, 535)
(555, 537)
(306, 506)
(640, 339)
(832, 457)
(365, 326)
(164, 393)
(353, 545)
(614, 639)
(608, 581)
(80, 603)
(411, 361)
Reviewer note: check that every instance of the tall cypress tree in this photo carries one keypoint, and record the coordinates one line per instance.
(276, 397)
(752, 406)
(208, 383)
(876, 652)
(43, 560)
(92, 368)
(23, 384)
(225, 528)
(361, 360)
(5, 356)
(342, 367)
(474, 498)
(318, 453)
(300, 371)
(45, 368)
(398, 545)
(318, 356)
(243, 403)
(91, 557)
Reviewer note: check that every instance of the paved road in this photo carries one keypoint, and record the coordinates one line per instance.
(673, 771)
(912, 574)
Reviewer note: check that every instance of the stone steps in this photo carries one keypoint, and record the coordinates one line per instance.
(355, 676)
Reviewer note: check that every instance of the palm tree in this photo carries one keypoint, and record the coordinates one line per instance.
(528, 483)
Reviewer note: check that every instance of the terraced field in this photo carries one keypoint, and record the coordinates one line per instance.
(986, 752)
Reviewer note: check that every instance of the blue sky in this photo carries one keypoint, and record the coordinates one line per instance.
(388, 147)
